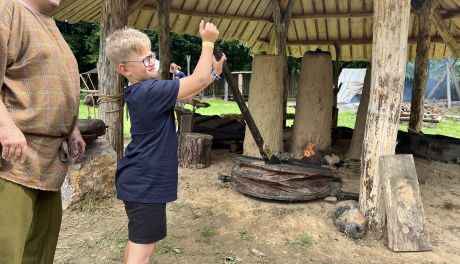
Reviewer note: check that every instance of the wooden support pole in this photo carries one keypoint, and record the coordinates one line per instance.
(281, 22)
(421, 64)
(389, 54)
(455, 80)
(163, 36)
(449, 102)
(356, 145)
(114, 16)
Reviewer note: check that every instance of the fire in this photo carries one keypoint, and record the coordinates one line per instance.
(309, 149)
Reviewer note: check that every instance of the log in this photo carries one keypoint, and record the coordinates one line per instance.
(268, 117)
(356, 145)
(114, 16)
(195, 150)
(421, 63)
(406, 223)
(281, 20)
(427, 120)
(389, 55)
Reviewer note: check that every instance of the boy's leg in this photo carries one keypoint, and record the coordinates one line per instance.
(146, 226)
(138, 253)
(16, 213)
(43, 234)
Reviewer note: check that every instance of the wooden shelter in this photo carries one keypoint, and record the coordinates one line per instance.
(386, 32)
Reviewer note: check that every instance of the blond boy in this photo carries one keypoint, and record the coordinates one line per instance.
(146, 177)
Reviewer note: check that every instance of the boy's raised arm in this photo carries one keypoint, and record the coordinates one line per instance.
(201, 76)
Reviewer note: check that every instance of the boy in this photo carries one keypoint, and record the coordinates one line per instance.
(146, 177)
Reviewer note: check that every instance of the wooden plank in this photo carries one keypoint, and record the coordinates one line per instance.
(406, 223)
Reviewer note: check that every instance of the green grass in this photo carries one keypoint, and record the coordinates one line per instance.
(446, 127)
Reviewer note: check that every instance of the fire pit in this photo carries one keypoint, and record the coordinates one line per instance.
(298, 180)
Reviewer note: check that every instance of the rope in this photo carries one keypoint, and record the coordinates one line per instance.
(109, 98)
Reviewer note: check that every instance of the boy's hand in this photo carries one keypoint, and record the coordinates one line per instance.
(208, 31)
(218, 65)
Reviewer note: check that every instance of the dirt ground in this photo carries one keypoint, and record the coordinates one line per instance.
(212, 223)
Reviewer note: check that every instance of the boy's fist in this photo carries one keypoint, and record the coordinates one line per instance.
(208, 31)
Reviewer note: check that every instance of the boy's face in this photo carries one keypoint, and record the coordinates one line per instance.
(139, 67)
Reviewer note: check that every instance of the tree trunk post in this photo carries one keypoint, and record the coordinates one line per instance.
(114, 16)
(389, 54)
(421, 64)
(225, 91)
(163, 36)
(356, 145)
(281, 22)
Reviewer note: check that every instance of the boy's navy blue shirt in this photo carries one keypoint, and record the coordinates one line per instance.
(148, 171)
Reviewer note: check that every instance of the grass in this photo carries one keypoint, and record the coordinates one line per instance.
(208, 232)
(446, 127)
(303, 242)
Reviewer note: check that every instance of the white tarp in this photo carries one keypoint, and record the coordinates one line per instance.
(352, 81)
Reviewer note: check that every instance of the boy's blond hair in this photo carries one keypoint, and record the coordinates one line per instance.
(123, 42)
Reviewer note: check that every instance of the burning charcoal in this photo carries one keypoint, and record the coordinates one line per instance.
(349, 219)
(285, 157)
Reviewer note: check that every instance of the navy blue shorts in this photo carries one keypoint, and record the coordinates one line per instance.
(146, 222)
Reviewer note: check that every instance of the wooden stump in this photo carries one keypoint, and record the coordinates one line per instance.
(406, 222)
(313, 118)
(266, 104)
(195, 150)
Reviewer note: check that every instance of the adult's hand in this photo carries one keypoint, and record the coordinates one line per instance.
(218, 64)
(78, 144)
(14, 144)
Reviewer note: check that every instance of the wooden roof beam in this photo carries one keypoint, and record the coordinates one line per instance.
(209, 14)
(412, 40)
(446, 34)
(444, 14)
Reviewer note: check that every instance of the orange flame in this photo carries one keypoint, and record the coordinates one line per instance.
(309, 149)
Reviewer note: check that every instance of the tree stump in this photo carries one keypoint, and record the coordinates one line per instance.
(195, 150)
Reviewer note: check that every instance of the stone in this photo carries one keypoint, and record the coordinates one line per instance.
(330, 199)
(332, 159)
(349, 219)
(93, 177)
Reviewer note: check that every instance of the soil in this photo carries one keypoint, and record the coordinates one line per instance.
(212, 223)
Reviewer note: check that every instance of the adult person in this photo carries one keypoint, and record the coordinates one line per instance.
(176, 71)
(38, 113)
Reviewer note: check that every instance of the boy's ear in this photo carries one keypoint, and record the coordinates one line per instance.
(122, 69)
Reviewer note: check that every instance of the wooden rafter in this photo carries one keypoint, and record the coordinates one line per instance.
(446, 34)
(412, 40)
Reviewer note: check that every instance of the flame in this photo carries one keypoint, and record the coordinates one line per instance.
(309, 149)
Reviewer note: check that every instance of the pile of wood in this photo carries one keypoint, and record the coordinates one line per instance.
(432, 113)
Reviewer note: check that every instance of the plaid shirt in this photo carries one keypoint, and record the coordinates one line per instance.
(40, 88)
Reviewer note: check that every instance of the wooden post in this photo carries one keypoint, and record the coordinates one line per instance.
(421, 64)
(455, 80)
(356, 145)
(114, 16)
(281, 22)
(225, 91)
(189, 57)
(449, 102)
(335, 110)
(163, 36)
(389, 53)
(240, 83)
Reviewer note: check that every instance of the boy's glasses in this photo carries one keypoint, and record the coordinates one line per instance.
(147, 60)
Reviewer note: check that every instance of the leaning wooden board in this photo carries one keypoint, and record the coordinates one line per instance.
(406, 222)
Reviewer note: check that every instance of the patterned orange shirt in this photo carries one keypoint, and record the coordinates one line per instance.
(40, 88)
